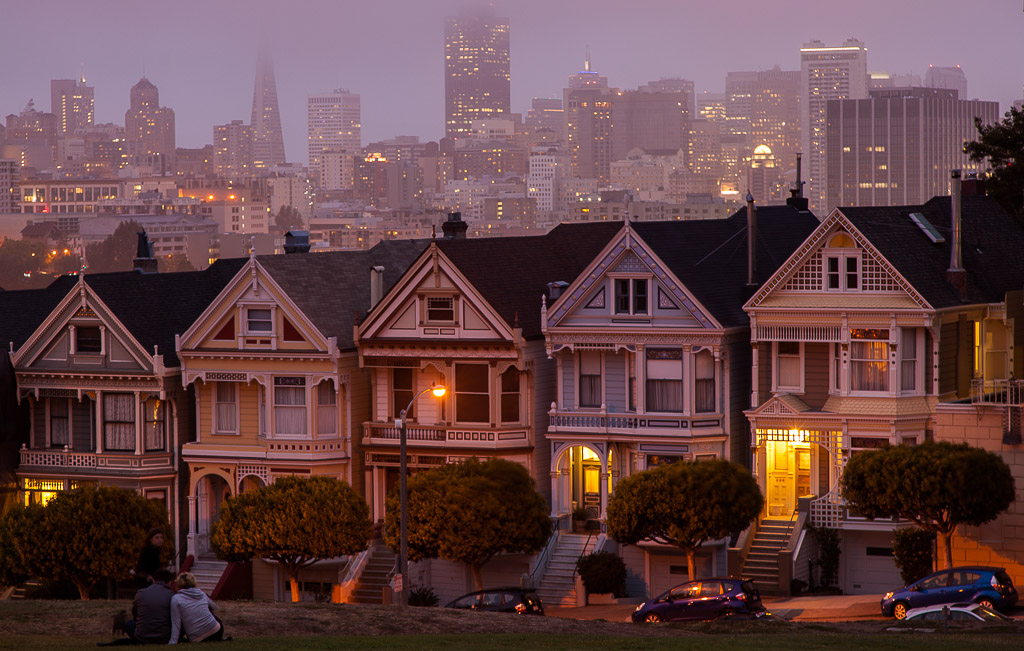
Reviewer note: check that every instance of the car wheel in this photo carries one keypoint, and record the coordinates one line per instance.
(987, 603)
(652, 618)
(899, 610)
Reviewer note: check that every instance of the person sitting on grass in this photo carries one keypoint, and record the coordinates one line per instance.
(151, 610)
(192, 613)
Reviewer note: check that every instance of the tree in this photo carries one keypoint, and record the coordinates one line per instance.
(174, 263)
(295, 521)
(1002, 144)
(85, 535)
(117, 252)
(937, 486)
(469, 511)
(684, 504)
(288, 218)
(16, 535)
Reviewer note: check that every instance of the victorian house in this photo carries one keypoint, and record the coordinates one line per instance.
(278, 389)
(467, 315)
(879, 316)
(97, 368)
(652, 351)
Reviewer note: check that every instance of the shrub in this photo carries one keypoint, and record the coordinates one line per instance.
(580, 513)
(602, 572)
(422, 597)
(828, 554)
(912, 551)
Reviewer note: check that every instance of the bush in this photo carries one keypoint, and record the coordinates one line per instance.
(828, 554)
(580, 514)
(422, 597)
(602, 572)
(912, 551)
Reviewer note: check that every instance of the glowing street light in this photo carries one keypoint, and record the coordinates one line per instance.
(403, 494)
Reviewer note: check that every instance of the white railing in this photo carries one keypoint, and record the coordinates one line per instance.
(65, 458)
(1006, 393)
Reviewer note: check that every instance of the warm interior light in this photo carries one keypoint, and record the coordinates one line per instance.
(438, 390)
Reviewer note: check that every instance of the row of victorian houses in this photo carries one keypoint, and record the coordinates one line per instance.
(775, 339)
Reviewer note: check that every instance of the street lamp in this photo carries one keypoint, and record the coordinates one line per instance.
(403, 493)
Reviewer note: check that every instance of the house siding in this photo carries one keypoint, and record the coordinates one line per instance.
(569, 380)
(734, 390)
(541, 385)
(816, 382)
(81, 425)
(616, 398)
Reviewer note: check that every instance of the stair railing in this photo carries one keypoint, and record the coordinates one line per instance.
(540, 563)
(353, 570)
(576, 567)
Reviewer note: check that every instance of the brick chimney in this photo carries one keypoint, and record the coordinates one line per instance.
(454, 228)
(144, 261)
(956, 274)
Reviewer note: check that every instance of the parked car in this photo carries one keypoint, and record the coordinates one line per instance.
(704, 599)
(501, 600)
(955, 613)
(988, 586)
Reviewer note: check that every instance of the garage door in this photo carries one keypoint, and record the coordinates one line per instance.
(669, 570)
(868, 563)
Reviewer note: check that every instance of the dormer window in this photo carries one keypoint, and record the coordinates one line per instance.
(441, 309)
(842, 264)
(631, 295)
(259, 320)
(88, 339)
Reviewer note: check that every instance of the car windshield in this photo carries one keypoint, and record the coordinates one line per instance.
(990, 615)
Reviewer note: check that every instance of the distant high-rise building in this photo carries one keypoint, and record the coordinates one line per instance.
(952, 77)
(72, 102)
(8, 185)
(650, 120)
(149, 124)
(898, 146)
(232, 149)
(476, 69)
(546, 113)
(589, 121)
(775, 115)
(268, 139)
(332, 125)
(826, 73)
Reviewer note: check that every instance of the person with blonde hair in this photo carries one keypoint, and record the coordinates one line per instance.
(192, 613)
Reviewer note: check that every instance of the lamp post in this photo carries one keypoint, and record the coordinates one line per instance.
(403, 494)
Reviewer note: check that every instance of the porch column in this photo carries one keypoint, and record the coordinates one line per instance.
(603, 489)
(138, 425)
(556, 493)
(192, 549)
(559, 380)
(99, 420)
(640, 371)
(755, 398)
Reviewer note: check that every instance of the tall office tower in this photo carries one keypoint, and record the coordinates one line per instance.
(72, 102)
(8, 185)
(898, 146)
(586, 78)
(650, 120)
(589, 119)
(775, 115)
(232, 149)
(548, 167)
(332, 125)
(476, 69)
(826, 73)
(674, 85)
(739, 101)
(952, 77)
(268, 140)
(546, 113)
(149, 124)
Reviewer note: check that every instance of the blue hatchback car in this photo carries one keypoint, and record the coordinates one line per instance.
(988, 586)
(704, 599)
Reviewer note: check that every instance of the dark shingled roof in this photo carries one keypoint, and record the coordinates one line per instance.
(21, 311)
(512, 273)
(156, 307)
(992, 248)
(330, 288)
(710, 256)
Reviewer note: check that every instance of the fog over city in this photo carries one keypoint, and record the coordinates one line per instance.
(202, 54)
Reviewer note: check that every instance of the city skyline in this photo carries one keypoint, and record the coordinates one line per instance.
(391, 54)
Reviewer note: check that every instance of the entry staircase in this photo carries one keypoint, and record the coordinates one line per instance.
(558, 587)
(376, 575)
(762, 562)
(208, 569)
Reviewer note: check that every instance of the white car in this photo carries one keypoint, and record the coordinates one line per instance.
(955, 613)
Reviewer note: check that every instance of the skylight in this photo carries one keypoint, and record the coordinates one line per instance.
(927, 227)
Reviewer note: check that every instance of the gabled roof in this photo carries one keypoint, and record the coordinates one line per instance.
(512, 273)
(710, 256)
(992, 247)
(332, 288)
(23, 310)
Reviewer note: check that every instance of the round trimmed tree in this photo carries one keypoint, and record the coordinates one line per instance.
(936, 485)
(684, 504)
(295, 521)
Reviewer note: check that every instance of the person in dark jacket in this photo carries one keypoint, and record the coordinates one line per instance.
(151, 610)
(149, 557)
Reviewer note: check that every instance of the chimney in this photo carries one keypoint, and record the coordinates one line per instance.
(296, 242)
(376, 285)
(751, 240)
(556, 288)
(454, 228)
(796, 199)
(144, 261)
(956, 274)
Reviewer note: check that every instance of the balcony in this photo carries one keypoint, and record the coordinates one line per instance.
(1000, 393)
(603, 423)
(71, 461)
(445, 436)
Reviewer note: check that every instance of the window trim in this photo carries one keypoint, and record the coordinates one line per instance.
(683, 370)
(291, 382)
(850, 361)
(518, 393)
(165, 409)
(248, 331)
(580, 375)
(216, 402)
(440, 297)
(843, 257)
(801, 356)
(49, 423)
(486, 392)
(632, 282)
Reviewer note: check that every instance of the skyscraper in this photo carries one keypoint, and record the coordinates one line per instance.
(268, 140)
(232, 149)
(826, 73)
(947, 77)
(476, 69)
(72, 102)
(332, 126)
(149, 124)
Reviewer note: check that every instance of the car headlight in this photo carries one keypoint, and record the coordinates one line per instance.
(888, 595)
(640, 606)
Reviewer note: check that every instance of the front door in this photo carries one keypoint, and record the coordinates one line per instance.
(789, 476)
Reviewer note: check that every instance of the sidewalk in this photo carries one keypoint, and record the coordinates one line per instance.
(822, 608)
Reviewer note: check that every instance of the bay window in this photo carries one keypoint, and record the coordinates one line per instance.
(226, 413)
(704, 382)
(590, 378)
(326, 408)
(401, 392)
(472, 393)
(908, 359)
(60, 422)
(290, 406)
(789, 365)
(154, 424)
(664, 376)
(869, 360)
(118, 421)
(510, 396)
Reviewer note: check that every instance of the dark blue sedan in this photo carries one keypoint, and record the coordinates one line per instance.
(988, 586)
(704, 599)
